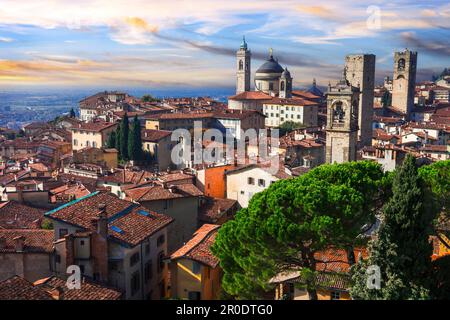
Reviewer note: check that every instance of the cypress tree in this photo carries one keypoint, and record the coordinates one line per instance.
(111, 143)
(117, 146)
(124, 132)
(402, 249)
(72, 113)
(135, 141)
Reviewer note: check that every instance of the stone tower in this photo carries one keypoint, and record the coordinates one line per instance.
(404, 82)
(285, 84)
(243, 68)
(342, 122)
(360, 71)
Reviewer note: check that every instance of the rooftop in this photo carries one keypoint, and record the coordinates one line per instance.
(198, 248)
(17, 288)
(126, 223)
(14, 215)
(35, 240)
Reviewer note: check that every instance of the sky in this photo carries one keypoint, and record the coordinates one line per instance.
(192, 43)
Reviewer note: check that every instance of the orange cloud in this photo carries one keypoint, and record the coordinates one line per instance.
(318, 11)
(141, 24)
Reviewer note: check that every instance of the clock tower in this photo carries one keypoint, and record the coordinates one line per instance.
(342, 122)
(243, 56)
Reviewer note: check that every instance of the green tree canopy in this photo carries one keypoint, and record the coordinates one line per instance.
(149, 98)
(287, 223)
(289, 126)
(72, 113)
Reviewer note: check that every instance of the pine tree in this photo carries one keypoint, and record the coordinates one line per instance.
(135, 141)
(402, 249)
(111, 143)
(124, 132)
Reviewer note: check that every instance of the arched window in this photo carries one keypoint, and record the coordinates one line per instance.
(282, 85)
(241, 65)
(401, 64)
(338, 112)
(94, 144)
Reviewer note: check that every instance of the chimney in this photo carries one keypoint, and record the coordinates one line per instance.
(20, 198)
(18, 243)
(102, 226)
(57, 293)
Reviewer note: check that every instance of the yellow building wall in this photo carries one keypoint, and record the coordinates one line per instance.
(207, 281)
(152, 124)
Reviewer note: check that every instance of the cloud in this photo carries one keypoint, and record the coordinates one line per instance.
(437, 48)
(5, 39)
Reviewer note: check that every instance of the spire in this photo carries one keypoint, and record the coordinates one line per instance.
(244, 44)
(270, 53)
(314, 82)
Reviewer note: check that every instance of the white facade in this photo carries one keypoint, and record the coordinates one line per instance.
(278, 114)
(243, 184)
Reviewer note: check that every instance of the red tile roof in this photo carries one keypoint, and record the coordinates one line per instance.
(96, 126)
(215, 208)
(88, 290)
(151, 135)
(198, 248)
(17, 288)
(158, 192)
(251, 95)
(35, 240)
(14, 215)
(135, 227)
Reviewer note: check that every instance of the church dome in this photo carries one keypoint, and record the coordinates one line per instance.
(270, 66)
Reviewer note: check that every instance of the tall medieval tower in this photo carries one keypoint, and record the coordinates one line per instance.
(342, 122)
(404, 82)
(243, 68)
(360, 73)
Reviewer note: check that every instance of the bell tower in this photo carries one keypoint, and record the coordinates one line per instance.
(342, 122)
(243, 56)
(285, 84)
(404, 82)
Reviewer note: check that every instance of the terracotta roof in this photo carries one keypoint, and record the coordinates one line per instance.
(333, 270)
(17, 288)
(387, 119)
(96, 126)
(215, 208)
(14, 215)
(126, 220)
(158, 192)
(38, 166)
(251, 95)
(236, 114)
(198, 248)
(154, 135)
(181, 115)
(292, 102)
(35, 240)
(304, 94)
(435, 148)
(175, 176)
(88, 290)
(67, 193)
